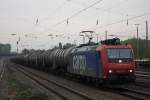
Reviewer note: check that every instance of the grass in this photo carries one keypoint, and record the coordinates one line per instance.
(20, 91)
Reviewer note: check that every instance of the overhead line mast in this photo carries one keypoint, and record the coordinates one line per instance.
(147, 33)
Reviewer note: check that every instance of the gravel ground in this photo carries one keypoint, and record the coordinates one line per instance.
(98, 94)
(12, 80)
(15, 86)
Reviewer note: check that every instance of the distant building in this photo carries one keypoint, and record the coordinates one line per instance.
(5, 49)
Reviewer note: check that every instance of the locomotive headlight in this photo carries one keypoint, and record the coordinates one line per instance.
(120, 61)
(110, 71)
(130, 71)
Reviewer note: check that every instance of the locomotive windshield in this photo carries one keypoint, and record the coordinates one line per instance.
(119, 53)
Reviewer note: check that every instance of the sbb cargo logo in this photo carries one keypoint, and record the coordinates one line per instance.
(79, 62)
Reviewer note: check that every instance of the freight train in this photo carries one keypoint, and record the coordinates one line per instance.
(143, 63)
(107, 61)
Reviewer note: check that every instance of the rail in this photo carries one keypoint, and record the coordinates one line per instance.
(36, 78)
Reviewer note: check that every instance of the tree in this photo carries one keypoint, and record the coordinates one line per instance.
(144, 47)
(25, 51)
(67, 45)
(60, 45)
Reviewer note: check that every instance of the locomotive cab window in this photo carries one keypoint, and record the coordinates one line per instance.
(119, 53)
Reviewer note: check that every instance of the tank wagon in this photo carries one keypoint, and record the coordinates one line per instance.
(107, 61)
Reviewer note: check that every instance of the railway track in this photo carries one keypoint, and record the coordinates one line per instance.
(133, 94)
(138, 95)
(63, 92)
(143, 69)
(143, 74)
(143, 84)
(141, 89)
(138, 91)
(143, 78)
(2, 65)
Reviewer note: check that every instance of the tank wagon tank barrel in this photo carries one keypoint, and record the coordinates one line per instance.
(60, 57)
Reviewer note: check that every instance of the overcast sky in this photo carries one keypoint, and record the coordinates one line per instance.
(34, 20)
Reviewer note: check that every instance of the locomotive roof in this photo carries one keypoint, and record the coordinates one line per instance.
(86, 48)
